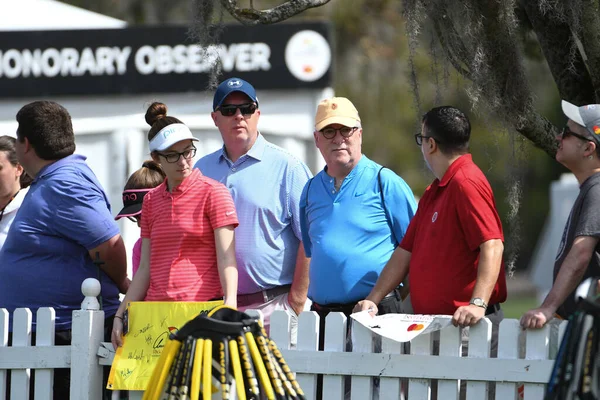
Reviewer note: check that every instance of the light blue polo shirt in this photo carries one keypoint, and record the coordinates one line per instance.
(348, 234)
(265, 184)
(45, 257)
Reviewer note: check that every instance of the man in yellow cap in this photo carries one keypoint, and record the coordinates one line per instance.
(353, 215)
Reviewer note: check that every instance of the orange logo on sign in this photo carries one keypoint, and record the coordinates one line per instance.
(415, 327)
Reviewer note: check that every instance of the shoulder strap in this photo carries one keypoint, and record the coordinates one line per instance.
(308, 189)
(385, 210)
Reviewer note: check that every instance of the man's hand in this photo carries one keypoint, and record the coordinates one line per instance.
(536, 318)
(296, 301)
(366, 305)
(467, 315)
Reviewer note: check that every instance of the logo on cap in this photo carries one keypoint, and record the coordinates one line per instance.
(590, 107)
(234, 83)
(168, 132)
(596, 129)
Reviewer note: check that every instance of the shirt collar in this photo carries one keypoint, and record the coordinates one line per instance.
(591, 178)
(186, 184)
(362, 163)
(454, 167)
(256, 151)
(50, 168)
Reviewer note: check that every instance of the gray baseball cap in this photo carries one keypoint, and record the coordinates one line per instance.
(586, 116)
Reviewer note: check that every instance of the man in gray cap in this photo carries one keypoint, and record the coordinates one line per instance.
(578, 255)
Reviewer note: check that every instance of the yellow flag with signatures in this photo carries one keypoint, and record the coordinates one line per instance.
(149, 324)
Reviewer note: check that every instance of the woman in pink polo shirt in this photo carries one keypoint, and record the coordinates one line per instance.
(188, 251)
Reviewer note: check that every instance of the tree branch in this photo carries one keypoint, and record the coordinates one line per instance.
(590, 38)
(539, 131)
(251, 16)
(567, 66)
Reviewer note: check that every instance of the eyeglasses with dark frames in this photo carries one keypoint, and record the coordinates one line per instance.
(566, 132)
(419, 138)
(346, 132)
(228, 110)
(174, 157)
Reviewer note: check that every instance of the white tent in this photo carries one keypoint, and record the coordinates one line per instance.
(110, 129)
(20, 15)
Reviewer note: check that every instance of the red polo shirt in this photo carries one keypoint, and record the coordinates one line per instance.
(454, 217)
(180, 225)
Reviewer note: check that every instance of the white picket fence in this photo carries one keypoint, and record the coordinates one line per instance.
(402, 374)
(81, 356)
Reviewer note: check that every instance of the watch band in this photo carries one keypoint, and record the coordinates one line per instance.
(477, 301)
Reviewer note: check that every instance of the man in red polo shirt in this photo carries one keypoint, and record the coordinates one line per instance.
(453, 246)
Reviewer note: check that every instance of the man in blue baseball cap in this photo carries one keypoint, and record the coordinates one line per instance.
(266, 182)
(578, 256)
(230, 86)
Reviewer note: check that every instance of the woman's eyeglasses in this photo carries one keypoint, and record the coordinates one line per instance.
(228, 110)
(174, 157)
(346, 132)
(566, 132)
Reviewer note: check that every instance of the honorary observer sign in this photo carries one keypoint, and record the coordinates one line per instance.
(147, 60)
(161, 59)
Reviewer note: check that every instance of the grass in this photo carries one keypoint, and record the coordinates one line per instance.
(514, 307)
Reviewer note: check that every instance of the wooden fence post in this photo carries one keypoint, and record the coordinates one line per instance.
(87, 333)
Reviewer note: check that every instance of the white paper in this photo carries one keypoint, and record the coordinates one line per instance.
(402, 327)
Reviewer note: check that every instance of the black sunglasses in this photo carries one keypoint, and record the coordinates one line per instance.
(566, 132)
(419, 138)
(228, 110)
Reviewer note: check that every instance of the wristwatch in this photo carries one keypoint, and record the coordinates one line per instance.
(476, 301)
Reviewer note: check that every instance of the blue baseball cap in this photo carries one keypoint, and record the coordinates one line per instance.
(231, 85)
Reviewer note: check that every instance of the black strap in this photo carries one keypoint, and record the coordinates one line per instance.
(385, 210)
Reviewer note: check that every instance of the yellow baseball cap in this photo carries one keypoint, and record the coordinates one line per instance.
(336, 110)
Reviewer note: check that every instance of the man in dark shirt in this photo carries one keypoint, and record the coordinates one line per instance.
(578, 255)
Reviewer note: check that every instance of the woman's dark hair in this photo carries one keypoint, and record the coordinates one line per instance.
(156, 117)
(7, 145)
(149, 176)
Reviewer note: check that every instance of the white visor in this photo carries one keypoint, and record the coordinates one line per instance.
(169, 135)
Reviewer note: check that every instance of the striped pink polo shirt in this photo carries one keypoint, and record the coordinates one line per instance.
(180, 226)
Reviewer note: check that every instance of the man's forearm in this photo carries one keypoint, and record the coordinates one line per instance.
(570, 275)
(490, 262)
(300, 281)
(392, 274)
(113, 260)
